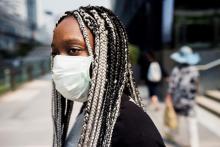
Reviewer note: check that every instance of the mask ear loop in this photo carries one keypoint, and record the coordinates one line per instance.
(84, 32)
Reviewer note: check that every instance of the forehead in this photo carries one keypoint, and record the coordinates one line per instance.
(68, 28)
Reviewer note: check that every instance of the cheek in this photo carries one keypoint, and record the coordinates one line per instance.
(62, 52)
(84, 53)
(92, 43)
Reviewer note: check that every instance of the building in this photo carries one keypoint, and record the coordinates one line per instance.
(165, 25)
(197, 23)
(142, 19)
(14, 7)
(14, 27)
(19, 25)
(32, 14)
(158, 24)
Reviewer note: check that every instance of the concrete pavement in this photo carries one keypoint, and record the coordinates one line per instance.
(25, 119)
(207, 137)
(208, 124)
(25, 116)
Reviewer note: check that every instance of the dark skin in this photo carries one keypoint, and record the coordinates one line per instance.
(68, 39)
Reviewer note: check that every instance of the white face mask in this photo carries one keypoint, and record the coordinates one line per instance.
(71, 76)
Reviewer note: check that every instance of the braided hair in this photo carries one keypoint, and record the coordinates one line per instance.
(111, 77)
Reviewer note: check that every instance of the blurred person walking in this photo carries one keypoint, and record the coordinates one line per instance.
(90, 65)
(153, 74)
(183, 87)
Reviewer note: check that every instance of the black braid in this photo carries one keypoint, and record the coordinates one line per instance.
(114, 66)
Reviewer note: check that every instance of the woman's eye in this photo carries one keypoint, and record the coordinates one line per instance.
(73, 51)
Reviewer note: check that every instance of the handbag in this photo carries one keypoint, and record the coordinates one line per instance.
(170, 117)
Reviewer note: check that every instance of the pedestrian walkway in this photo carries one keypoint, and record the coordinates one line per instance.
(25, 118)
(25, 115)
(207, 138)
(208, 124)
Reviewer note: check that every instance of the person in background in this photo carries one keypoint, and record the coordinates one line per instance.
(153, 73)
(90, 65)
(183, 87)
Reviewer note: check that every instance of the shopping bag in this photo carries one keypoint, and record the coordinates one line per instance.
(170, 118)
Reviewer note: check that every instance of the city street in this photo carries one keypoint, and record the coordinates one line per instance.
(25, 119)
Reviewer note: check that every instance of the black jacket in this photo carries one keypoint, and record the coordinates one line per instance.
(134, 128)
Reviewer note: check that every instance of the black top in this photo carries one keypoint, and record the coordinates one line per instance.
(134, 128)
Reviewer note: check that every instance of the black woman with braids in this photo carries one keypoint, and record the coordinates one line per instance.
(90, 65)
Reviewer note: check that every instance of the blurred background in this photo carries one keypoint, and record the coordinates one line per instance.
(158, 26)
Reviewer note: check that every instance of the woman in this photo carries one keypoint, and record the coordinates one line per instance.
(112, 113)
(183, 87)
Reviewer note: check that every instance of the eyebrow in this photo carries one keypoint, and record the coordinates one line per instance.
(73, 40)
(69, 41)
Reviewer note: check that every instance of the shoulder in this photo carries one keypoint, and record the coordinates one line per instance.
(175, 71)
(135, 128)
(193, 71)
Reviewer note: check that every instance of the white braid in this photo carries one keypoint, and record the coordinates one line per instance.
(102, 69)
(100, 118)
(88, 126)
(84, 32)
(92, 88)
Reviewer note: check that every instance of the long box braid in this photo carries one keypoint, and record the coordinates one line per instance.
(111, 76)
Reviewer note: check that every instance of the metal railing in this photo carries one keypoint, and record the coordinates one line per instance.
(12, 77)
(208, 65)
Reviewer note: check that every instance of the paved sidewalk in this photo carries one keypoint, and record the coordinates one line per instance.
(208, 124)
(206, 137)
(25, 116)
